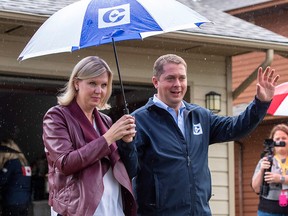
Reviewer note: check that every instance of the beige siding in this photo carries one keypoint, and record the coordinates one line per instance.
(220, 178)
(219, 208)
(219, 193)
(218, 164)
(218, 150)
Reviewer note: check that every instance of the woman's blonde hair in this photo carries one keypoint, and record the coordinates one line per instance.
(281, 127)
(89, 67)
(6, 156)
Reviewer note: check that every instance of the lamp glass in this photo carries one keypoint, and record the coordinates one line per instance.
(213, 101)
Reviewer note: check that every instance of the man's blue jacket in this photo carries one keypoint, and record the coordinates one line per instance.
(172, 174)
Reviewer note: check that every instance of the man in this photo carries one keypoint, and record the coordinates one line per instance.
(169, 155)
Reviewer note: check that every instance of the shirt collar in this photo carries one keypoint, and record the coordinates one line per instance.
(161, 104)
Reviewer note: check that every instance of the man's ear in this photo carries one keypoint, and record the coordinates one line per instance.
(155, 81)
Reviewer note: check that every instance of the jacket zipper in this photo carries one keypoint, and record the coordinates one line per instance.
(188, 160)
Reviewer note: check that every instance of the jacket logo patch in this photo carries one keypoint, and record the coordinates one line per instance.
(197, 129)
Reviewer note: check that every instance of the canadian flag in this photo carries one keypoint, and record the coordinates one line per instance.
(26, 170)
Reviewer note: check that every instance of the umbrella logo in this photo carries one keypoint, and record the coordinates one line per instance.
(115, 16)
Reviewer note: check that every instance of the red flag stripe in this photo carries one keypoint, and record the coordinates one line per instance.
(283, 108)
(277, 100)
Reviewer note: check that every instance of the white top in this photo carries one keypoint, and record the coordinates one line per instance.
(111, 201)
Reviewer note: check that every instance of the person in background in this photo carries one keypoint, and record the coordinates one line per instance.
(39, 172)
(15, 179)
(86, 175)
(274, 203)
(169, 155)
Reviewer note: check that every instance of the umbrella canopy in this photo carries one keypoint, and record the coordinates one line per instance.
(89, 23)
(279, 104)
(94, 22)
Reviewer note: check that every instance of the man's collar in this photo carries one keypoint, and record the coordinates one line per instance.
(161, 104)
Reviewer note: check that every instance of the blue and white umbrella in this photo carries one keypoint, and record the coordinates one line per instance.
(94, 22)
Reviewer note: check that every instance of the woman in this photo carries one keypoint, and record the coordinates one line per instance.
(15, 180)
(275, 202)
(86, 175)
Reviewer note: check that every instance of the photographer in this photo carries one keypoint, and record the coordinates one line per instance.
(272, 170)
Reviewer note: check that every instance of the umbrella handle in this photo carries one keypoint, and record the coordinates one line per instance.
(126, 110)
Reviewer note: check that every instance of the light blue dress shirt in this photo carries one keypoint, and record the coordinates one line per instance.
(179, 119)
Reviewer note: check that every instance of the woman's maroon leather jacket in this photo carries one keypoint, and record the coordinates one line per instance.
(75, 155)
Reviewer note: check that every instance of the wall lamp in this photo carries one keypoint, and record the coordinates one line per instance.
(213, 101)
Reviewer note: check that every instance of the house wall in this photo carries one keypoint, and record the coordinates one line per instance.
(205, 73)
(274, 19)
(247, 151)
(243, 65)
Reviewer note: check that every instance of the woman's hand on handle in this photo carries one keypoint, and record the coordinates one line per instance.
(123, 128)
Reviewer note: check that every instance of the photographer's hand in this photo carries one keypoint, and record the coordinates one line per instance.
(272, 177)
(257, 180)
(265, 164)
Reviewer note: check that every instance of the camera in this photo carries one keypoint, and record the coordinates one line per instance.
(272, 143)
(269, 145)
